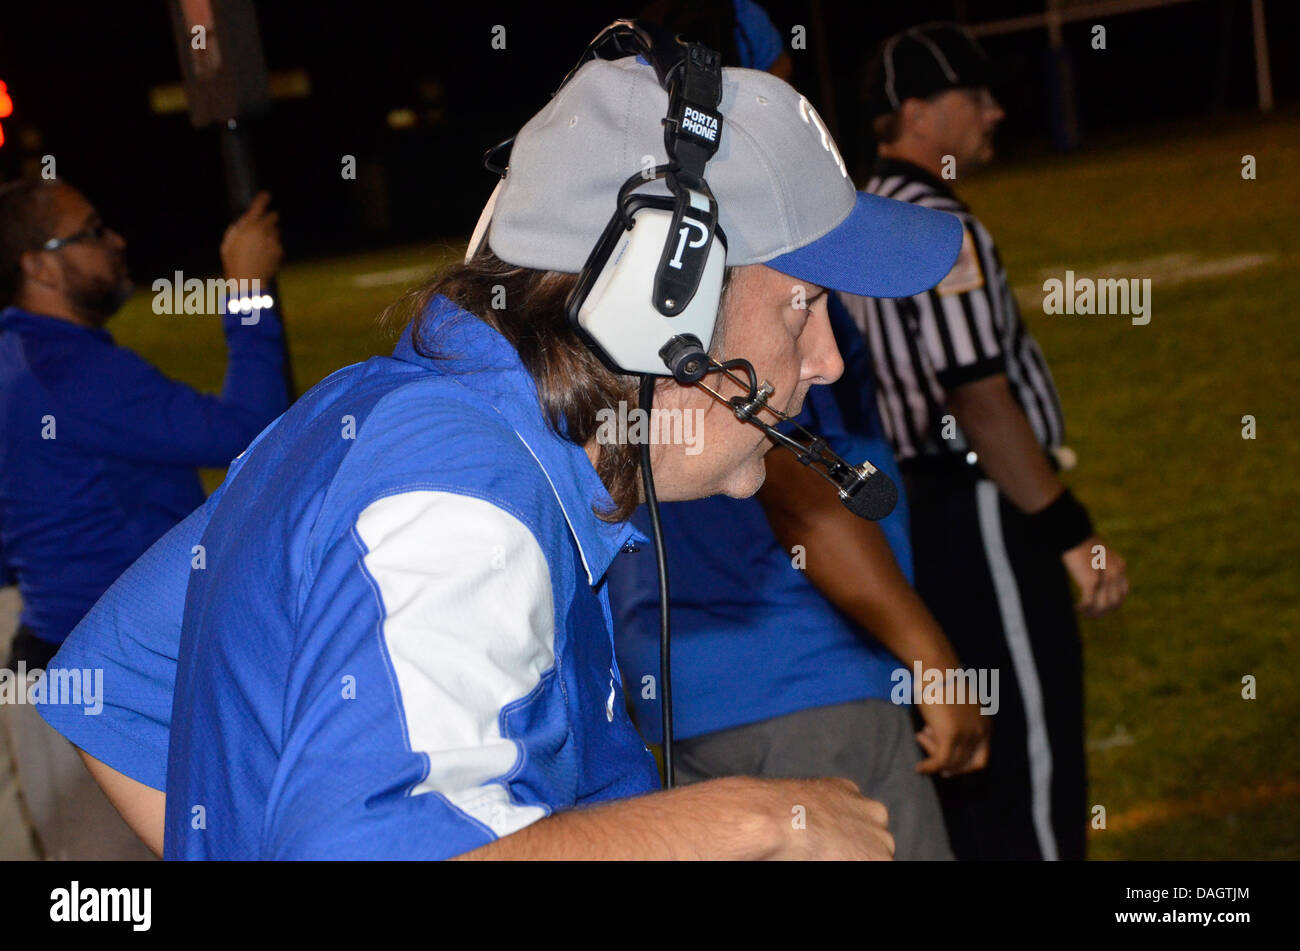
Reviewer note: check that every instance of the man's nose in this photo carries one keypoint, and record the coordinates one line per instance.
(834, 368)
(824, 362)
(116, 240)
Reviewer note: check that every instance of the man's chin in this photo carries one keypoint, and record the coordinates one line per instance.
(747, 479)
(114, 302)
(102, 308)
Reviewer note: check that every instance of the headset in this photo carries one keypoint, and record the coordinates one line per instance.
(647, 298)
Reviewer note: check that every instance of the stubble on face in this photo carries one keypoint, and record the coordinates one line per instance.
(97, 295)
(971, 117)
(767, 320)
(96, 282)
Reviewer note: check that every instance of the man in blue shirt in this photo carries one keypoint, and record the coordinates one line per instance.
(98, 450)
(388, 633)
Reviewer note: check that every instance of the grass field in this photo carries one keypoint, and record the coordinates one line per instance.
(1184, 766)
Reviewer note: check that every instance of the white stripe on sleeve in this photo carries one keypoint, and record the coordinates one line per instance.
(982, 309)
(469, 627)
(954, 318)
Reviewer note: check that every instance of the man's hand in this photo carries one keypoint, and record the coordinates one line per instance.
(251, 247)
(1100, 589)
(955, 738)
(837, 822)
(736, 818)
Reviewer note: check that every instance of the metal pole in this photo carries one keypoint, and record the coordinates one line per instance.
(1065, 123)
(1263, 75)
(224, 72)
(237, 164)
(824, 69)
(241, 187)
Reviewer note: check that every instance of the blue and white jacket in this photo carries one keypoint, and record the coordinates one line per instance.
(387, 632)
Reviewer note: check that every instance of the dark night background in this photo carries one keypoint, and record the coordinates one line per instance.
(80, 75)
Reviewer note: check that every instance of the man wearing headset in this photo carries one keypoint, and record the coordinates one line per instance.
(398, 642)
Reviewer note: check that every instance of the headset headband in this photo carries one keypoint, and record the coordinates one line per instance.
(691, 73)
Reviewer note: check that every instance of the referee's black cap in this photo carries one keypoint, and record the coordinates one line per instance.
(922, 61)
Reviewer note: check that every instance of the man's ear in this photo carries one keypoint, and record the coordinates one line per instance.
(36, 268)
(915, 117)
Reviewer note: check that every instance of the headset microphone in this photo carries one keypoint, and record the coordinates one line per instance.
(865, 490)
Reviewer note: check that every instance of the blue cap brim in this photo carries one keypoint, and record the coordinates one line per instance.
(884, 248)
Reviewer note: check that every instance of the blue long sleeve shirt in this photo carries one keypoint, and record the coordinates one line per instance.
(397, 642)
(98, 452)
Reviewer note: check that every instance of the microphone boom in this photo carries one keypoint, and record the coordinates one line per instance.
(865, 490)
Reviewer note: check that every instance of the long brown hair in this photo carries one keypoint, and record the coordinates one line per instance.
(527, 308)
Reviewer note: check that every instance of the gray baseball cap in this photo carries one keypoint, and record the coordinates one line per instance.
(784, 197)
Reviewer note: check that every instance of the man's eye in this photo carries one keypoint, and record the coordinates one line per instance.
(811, 304)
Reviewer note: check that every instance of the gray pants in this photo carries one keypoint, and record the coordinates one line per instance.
(871, 742)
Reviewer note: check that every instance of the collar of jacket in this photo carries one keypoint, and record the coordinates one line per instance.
(15, 316)
(482, 361)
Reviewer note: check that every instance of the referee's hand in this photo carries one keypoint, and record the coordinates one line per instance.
(1102, 588)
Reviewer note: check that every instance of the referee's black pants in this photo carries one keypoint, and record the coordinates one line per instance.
(1005, 603)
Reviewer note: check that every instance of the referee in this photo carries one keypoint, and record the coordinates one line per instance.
(970, 407)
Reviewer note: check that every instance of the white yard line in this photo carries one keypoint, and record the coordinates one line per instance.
(397, 275)
(1121, 737)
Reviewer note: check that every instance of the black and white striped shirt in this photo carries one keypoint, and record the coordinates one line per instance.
(966, 328)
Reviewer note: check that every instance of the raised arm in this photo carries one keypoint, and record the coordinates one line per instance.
(139, 413)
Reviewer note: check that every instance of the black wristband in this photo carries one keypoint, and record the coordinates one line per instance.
(1063, 524)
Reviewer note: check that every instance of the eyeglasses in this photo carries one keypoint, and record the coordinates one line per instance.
(95, 232)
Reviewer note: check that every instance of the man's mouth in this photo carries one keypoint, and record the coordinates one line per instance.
(795, 406)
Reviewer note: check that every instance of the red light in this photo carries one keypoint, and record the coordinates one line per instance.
(6, 108)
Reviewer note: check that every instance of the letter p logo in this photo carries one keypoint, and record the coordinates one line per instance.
(682, 234)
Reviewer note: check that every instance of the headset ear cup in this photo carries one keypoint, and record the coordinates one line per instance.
(613, 304)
